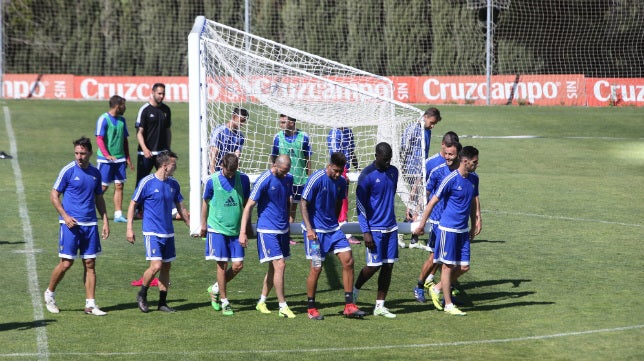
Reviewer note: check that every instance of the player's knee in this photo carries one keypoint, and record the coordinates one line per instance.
(348, 263)
(237, 267)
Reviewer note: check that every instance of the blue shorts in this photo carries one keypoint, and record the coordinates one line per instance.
(297, 193)
(112, 172)
(433, 231)
(332, 241)
(272, 246)
(452, 248)
(223, 248)
(83, 240)
(159, 248)
(386, 249)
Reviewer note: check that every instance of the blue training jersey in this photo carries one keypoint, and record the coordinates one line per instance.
(375, 197)
(272, 195)
(432, 162)
(435, 179)
(227, 184)
(79, 188)
(458, 193)
(158, 198)
(341, 140)
(227, 141)
(322, 194)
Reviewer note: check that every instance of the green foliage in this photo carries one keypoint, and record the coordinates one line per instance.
(556, 273)
(385, 37)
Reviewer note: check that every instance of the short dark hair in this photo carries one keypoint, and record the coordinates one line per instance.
(116, 100)
(291, 119)
(157, 85)
(384, 149)
(230, 161)
(240, 112)
(338, 159)
(450, 138)
(468, 152)
(84, 142)
(433, 112)
(164, 156)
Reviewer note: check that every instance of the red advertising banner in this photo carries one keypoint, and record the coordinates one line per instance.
(504, 89)
(569, 89)
(38, 86)
(615, 91)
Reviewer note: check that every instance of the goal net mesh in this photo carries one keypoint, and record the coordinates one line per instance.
(238, 69)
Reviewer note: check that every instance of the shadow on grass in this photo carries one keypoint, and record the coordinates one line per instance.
(23, 326)
(7, 242)
(487, 241)
(476, 301)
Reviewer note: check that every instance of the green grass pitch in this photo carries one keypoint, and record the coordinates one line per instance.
(556, 273)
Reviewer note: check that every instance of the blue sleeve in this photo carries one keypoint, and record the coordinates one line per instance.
(126, 133)
(362, 201)
(306, 146)
(98, 187)
(276, 146)
(208, 190)
(100, 126)
(245, 185)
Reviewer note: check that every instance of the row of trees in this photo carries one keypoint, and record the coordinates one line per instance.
(386, 37)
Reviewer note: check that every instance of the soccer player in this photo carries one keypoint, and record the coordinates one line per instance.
(80, 185)
(375, 197)
(413, 155)
(224, 197)
(272, 194)
(113, 156)
(438, 159)
(321, 203)
(153, 133)
(160, 192)
(459, 191)
(341, 140)
(227, 138)
(294, 143)
(449, 156)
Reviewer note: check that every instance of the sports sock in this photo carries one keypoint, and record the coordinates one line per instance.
(162, 297)
(262, 298)
(380, 303)
(224, 302)
(421, 284)
(310, 302)
(348, 297)
(118, 214)
(429, 278)
(90, 303)
(283, 304)
(144, 291)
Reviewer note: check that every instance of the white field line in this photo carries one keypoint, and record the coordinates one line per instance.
(562, 218)
(336, 349)
(30, 257)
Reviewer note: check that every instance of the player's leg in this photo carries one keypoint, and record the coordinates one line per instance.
(279, 266)
(222, 267)
(58, 273)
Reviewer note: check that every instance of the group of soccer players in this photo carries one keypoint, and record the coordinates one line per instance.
(451, 185)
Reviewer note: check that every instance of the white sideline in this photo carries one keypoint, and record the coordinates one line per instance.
(337, 349)
(32, 276)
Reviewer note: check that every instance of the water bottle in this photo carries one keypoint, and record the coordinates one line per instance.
(315, 253)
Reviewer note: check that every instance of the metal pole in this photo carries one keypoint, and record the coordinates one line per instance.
(1, 50)
(247, 16)
(488, 50)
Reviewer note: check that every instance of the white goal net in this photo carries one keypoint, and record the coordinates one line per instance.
(232, 69)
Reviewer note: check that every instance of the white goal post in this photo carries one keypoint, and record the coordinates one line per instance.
(229, 69)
